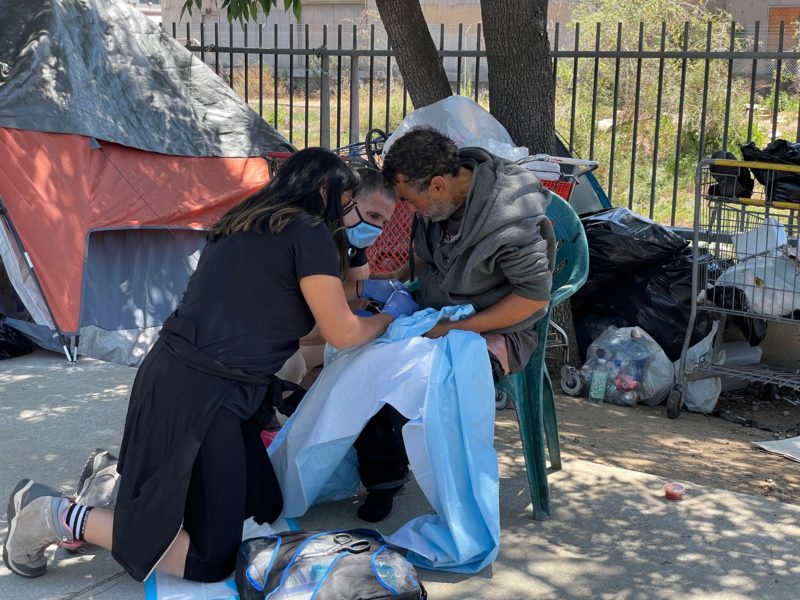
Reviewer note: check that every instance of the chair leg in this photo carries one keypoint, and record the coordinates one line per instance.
(550, 422)
(531, 431)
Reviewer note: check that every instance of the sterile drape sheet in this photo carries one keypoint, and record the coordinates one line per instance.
(444, 387)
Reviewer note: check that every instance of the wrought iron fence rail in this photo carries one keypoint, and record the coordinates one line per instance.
(748, 68)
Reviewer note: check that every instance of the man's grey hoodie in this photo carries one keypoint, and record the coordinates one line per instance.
(504, 245)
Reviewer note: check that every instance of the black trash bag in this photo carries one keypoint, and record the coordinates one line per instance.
(780, 187)
(659, 301)
(710, 267)
(621, 240)
(733, 298)
(732, 182)
(12, 342)
(604, 296)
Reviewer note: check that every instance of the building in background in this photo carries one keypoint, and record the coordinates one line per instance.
(151, 8)
(453, 24)
(355, 17)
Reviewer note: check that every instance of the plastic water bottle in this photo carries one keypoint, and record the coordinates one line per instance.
(599, 381)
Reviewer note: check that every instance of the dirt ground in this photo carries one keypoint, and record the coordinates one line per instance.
(710, 450)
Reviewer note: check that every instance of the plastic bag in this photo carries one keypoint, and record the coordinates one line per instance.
(732, 182)
(702, 395)
(590, 327)
(621, 240)
(625, 366)
(465, 122)
(780, 186)
(771, 285)
(659, 301)
(739, 354)
(657, 298)
(733, 298)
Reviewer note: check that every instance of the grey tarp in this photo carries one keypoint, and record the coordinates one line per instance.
(102, 69)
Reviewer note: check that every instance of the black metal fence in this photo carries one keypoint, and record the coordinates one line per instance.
(648, 101)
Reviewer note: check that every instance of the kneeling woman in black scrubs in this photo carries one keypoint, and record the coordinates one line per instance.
(192, 464)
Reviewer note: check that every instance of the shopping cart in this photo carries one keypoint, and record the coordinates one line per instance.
(755, 238)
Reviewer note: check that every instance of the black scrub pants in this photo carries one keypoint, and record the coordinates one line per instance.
(232, 479)
(382, 460)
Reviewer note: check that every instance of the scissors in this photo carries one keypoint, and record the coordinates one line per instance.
(344, 543)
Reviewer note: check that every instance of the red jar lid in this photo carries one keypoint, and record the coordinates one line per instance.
(674, 491)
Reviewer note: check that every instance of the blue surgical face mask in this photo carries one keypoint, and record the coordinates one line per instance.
(362, 234)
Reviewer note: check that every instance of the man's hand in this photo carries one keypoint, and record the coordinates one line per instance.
(507, 312)
(441, 329)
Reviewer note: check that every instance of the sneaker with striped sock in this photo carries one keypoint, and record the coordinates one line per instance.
(97, 486)
(37, 518)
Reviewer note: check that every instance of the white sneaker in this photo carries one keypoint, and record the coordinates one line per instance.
(35, 521)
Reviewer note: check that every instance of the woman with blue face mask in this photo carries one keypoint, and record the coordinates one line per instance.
(383, 464)
(192, 465)
(365, 216)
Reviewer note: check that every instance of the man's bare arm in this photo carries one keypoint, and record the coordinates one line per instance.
(509, 311)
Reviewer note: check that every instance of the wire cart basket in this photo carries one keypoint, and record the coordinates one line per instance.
(754, 237)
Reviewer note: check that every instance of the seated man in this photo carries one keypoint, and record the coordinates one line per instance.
(483, 239)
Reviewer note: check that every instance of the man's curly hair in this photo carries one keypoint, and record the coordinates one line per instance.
(420, 155)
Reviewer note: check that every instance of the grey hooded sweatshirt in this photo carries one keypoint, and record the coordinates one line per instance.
(504, 244)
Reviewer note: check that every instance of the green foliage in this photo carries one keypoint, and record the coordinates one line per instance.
(245, 10)
(664, 162)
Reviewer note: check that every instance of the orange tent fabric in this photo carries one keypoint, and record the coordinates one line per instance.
(63, 186)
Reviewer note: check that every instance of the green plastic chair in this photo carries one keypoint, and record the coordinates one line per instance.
(532, 389)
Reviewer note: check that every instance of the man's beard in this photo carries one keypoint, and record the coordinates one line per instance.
(441, 210)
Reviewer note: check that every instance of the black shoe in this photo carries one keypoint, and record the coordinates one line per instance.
(378, 505)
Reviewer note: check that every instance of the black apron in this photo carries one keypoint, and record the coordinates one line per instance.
(175, 396)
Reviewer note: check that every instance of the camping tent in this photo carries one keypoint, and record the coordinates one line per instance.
(119, 148)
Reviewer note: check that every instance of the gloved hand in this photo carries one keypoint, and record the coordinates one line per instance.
(380, 289)
(400, 303)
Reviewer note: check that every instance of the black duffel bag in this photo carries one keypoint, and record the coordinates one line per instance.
(325, 565)
(781, 186)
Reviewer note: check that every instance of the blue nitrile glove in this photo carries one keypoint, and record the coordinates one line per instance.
(380, 289)
(400, 304)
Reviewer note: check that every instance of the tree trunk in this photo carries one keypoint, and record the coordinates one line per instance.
(414, 51)
(522, 91)
(521, 86)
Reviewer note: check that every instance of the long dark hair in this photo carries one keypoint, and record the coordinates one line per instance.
(294, 190)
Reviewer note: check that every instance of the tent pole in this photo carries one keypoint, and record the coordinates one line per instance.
(14, 234)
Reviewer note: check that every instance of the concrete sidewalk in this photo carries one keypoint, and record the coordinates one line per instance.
(612, 535)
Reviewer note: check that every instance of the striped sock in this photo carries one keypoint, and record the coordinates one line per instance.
(76, 520)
